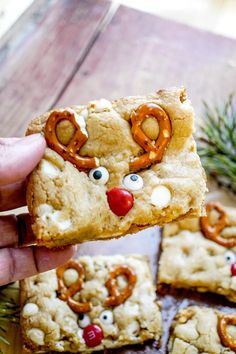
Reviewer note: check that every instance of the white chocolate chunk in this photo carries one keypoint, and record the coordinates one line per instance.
(161, 197)
(101, 105)
(81, 122)
(70, 276)
(49, 215)
(84, 113)
(36, 335)
(133, 328)
(49, 169)
(29, 309)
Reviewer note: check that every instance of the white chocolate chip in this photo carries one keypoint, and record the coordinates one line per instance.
(81, 122)
(133, 328)
(84, 113)
(36, 335)
(49, 215)
(30, 309)
(49, 169)
(161, 197)
(101, 105)
(70, 276)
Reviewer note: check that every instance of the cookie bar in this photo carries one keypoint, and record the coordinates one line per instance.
(201, 253)
(90, 304)
(198, 330)
(113, 168)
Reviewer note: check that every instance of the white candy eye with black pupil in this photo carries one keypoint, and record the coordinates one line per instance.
(106, 317)
(99, 175)
(133, 182)
(230, 257)
(83, 320)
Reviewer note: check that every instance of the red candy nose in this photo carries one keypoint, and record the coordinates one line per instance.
(120, 201)
(93, 335)
(233, 269)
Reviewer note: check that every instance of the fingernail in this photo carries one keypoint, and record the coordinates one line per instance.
(26, 236)
(32, 137)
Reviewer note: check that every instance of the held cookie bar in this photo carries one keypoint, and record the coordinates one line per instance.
(112, 168)
(201, 253)
(90, 304)
(198, 330)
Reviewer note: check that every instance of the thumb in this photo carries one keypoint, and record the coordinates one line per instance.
(19, 156)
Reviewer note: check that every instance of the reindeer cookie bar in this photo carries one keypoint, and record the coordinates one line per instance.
(90, 304)
(201, 253)
(113, 168)
(203, 330)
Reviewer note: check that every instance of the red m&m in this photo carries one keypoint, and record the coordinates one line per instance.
(120, 201)
(93, 335)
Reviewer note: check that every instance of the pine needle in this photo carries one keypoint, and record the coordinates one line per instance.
(217, 143)
(9, 310)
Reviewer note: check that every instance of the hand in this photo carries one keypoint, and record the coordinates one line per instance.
(18, 157)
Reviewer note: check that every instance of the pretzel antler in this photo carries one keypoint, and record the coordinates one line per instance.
(68, 152)
(154, 150)
(223, 322)
(67, 293)
(117, 296)
(213, 232)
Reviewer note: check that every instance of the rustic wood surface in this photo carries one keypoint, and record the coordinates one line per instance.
(63, 52)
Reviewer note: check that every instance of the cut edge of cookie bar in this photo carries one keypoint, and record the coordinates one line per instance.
(195, 330)
(196, 262)
(142, 300)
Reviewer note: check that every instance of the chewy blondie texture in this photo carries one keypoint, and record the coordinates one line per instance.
(194, 331)
(49, 324)
(70, 206)
(189, 260)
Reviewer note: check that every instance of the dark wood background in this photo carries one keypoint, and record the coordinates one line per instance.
(68, 52)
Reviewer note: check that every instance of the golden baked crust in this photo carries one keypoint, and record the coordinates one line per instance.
(67, 207)
(194, 331)
(190, 260)
(49, 324)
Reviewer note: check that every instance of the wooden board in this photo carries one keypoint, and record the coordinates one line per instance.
(40, 54)
(140, 53)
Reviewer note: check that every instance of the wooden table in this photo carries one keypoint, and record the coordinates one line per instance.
(67, 52)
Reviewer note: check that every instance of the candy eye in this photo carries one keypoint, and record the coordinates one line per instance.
(133, 182)
(83, 320)
(230, 257)
(106, 317)
(99, 175)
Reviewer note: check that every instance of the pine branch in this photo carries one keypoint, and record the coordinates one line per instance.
(217, 143)
(9, 310)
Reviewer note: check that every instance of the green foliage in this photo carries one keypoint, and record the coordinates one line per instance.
(217, 143)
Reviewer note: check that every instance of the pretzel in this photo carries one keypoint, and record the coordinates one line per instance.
(223, 322)
(69, 152)
(154, 150)
(66, 293)
(213, 232)
(117, 296)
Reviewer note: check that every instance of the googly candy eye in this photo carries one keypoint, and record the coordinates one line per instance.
(106, 317)
(133, 182)
(83, 320)
(99, 175)
(230, 257)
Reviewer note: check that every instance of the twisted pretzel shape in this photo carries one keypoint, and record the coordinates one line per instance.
(117, 296)
(154, 150)
(223, 322)
(213, 232)
(67, 293)
(69, 152)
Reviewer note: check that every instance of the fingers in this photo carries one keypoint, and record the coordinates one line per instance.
(18, 157)
(9, 233)
(19, 263)
(12, 195)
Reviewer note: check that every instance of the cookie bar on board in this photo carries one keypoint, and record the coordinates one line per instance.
(90, 304)
(113, 168)
(201, 253)
(203, 330)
